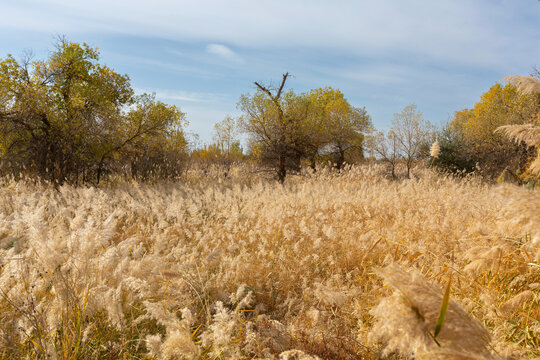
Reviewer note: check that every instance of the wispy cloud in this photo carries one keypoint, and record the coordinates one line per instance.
(223, 52)
(451, 31)
(373, 74)
(175, 52)
(183, 96)
(170, 66)
(441, 55)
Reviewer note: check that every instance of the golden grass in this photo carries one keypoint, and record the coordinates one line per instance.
(245, 268)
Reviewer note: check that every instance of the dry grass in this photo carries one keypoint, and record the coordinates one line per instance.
(245, 268)
(526, 84)
(529, 134)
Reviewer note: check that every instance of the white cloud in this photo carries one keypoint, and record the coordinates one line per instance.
(381, 53)
(188, 96)
(460, 31)
(175, 52)
(162, 64)
(374, 74)
(223, 52)
(182, 96)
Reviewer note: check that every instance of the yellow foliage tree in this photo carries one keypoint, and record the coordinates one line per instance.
(501, 105)
(277, 123)
(288, 128)
(336, 126)
(527, 134)
(69, 118)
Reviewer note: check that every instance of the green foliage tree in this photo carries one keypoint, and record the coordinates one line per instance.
(69, 118)
(452, 157)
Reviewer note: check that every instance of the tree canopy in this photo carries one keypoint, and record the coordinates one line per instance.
(412, 133)
(71, 118)
(277, 124)
(286, 128)
(500, 105)
(338, 126)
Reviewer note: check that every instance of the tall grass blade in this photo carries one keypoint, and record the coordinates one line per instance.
(444, 309)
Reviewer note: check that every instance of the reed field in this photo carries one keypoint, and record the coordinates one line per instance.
(330, 265)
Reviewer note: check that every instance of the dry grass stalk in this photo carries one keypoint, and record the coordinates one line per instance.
(241, 267)
(526, 84)
(406, 321)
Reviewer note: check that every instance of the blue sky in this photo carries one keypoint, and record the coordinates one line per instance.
(383, 54)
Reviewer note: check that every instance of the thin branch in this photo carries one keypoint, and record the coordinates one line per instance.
(285, 76)
(264, 89)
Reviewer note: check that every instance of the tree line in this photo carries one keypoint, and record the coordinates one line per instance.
(71, 119)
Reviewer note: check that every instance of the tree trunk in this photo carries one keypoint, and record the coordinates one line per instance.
(100, 170)
(282, 170)
(340, 159)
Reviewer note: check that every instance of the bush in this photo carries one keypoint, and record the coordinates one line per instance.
(454, 156)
